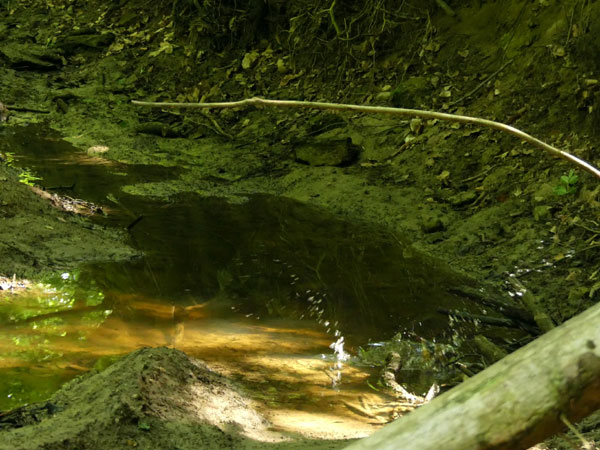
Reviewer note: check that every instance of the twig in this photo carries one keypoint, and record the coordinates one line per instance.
(61, 188)
(570, 25)
(258, 101)
(25, 253)
(479, 175)
(388, 375)
(6, 108)
(541, 317)
(400, 150)
(510, 311)
(50, 315)
(586, 445)
(332, 17)
(442, 4)
(483, 83)
(134, 223)
(218, 128)
(488, 320)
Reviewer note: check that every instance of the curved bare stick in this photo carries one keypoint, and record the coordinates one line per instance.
(257, 101)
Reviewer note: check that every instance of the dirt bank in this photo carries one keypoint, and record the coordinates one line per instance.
(483, 202)
(153, 398)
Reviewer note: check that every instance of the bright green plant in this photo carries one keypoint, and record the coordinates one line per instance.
(567, 184)
(25, 175)
(28, 178)
(7, 158)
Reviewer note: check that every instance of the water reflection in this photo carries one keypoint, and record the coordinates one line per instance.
(271, 293)
(273, 257)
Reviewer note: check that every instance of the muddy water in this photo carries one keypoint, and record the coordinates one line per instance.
(271, 292)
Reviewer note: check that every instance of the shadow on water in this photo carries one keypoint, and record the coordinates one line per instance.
(274, 257)
(261, 289)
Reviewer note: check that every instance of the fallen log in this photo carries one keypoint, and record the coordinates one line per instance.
(514, 404)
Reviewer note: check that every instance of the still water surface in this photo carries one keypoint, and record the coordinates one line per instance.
(273, 293)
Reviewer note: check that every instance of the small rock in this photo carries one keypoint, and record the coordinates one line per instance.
(462, 198)
(411, 93)
(158, 129)
(97, 149)
(339, 152)
(94, 41)
(432, 224)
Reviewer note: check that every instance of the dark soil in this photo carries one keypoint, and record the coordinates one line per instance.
(484, 202)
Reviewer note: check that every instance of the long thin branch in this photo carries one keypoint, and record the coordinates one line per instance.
(257, 101)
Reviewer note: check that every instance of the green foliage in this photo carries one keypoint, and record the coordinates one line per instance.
(27, 177)
(567, 184)
(7, 158)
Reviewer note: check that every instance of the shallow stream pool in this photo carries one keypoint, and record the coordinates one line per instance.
(273, 293)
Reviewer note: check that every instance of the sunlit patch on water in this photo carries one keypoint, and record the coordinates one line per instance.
(286, 364)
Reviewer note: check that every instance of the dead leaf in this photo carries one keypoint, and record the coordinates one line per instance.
(558, 51)
(165, 47)
(446, 92)
(443, 176)
(249, 59)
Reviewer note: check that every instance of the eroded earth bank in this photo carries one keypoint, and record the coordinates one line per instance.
(484, 205)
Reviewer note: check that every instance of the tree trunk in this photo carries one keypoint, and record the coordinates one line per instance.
(513, 404)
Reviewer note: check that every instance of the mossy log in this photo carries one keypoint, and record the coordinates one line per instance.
(513, 404)
(541, 317)
(490, 351)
